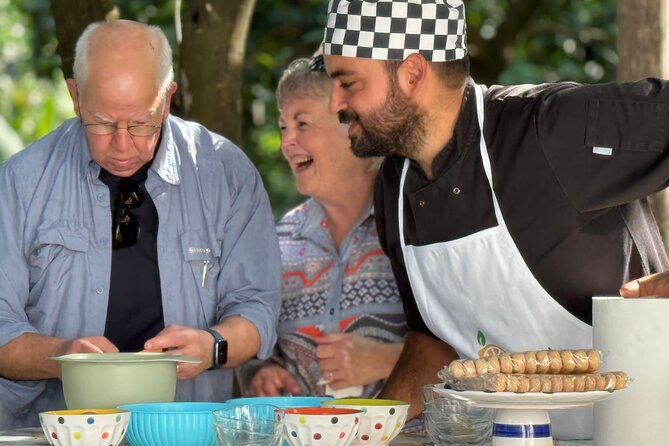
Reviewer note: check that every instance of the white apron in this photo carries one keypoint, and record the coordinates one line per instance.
(480, 284)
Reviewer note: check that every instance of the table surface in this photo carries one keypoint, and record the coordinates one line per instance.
(35, 437)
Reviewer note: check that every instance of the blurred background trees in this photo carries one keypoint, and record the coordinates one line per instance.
(511, 41)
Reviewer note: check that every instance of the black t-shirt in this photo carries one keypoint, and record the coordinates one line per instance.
(575, 212)
(135, 308)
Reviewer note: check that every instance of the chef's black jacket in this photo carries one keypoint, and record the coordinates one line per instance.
(579, 218)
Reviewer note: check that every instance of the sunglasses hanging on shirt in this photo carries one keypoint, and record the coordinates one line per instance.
(125, 227)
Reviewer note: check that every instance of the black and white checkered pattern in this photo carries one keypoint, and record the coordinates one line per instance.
(394, 29)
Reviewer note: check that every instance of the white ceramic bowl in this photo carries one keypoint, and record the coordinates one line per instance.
(380, 421)
(310, 426)
(89, 427)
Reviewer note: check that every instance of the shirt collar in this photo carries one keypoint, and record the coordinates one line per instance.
(465, 134)
(314, 216)
(167, 161)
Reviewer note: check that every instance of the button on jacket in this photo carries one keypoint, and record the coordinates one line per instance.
(217, 248)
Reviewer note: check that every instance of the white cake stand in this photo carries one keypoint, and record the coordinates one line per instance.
(521, 418)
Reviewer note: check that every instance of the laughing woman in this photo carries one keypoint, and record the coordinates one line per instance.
(341, 327)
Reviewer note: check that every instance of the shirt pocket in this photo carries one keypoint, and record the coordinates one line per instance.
(57, 243)
(627, 125)
(202, 257)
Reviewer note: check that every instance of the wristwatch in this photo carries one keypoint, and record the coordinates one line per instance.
(220, 352)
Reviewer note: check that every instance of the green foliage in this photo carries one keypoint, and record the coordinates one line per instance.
(33, 96)
(565, 40)
(295, 32)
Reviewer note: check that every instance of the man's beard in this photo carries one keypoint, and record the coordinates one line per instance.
(395, 128)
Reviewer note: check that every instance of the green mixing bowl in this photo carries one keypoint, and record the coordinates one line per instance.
(107, 380)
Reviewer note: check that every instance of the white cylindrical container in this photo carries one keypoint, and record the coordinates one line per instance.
(521, 427)
(633, 336)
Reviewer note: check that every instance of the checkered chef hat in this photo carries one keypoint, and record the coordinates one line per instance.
(394, 29)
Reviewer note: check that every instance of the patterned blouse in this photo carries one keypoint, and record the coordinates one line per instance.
(328, 291)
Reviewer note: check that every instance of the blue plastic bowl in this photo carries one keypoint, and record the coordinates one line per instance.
(282, 402)
(172, 424)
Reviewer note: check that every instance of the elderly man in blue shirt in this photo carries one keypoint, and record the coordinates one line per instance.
(128, 229)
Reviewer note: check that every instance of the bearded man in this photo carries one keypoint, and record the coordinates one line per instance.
(503, 210)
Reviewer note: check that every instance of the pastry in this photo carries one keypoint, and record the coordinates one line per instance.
(581, 360)
(470, 368)
(518, 363)
(493, 364)
(554, 362)
(456, 369)
(523, 384)
(530, 362)
(568, 361)
(505, 363)
(593, 360)
(542, 362)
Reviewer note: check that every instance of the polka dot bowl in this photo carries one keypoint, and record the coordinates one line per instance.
(94, 427)
(172, 424)
(320, 426)
(380, 421)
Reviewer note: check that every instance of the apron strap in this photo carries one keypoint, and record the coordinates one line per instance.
(400, 205)
(485, 158)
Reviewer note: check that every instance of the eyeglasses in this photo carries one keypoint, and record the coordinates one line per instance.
(142, 130)
(125, 227)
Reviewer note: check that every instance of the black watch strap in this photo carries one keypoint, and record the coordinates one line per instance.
(220, 350)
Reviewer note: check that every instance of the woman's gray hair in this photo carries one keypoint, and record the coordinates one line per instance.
(303, 78)
(80, 68)
(306, 78)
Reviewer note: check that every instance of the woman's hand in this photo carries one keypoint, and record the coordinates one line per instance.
(652, 285)
(348, 359)
(273, 380)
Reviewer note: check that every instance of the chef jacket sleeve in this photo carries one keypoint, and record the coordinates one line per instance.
(607, 144)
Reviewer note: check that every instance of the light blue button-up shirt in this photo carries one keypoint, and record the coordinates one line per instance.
(55, 249)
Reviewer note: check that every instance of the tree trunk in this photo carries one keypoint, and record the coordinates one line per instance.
(643, 50)
(212, 54)
(69, 26)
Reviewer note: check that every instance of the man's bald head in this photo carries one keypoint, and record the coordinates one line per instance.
(120, 47)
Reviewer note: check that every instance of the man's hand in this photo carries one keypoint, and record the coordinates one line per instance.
(181, 340)
(348, 359)
(26, 357)
(271, 380)
(653, 285)
(93, 344)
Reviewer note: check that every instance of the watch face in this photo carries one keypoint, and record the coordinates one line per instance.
(222, 352)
